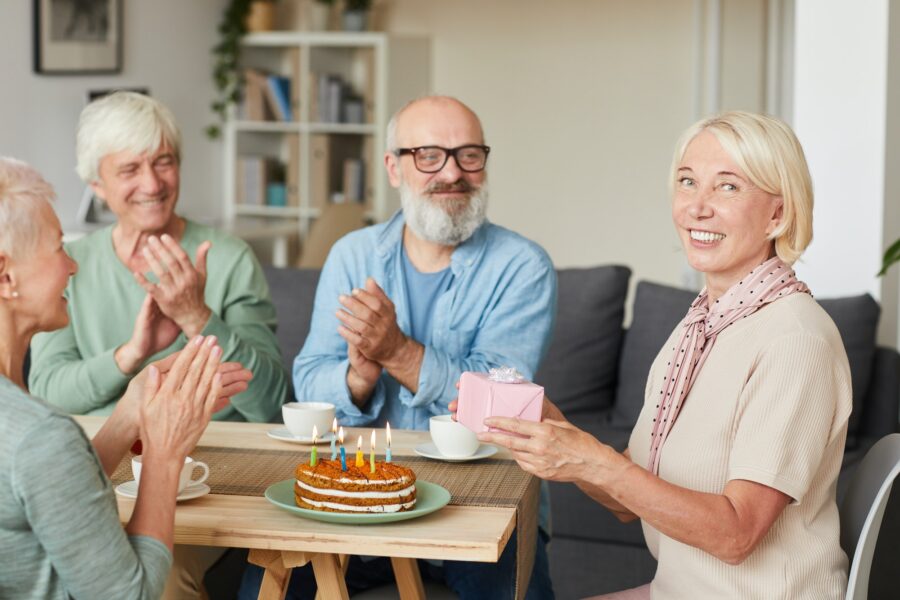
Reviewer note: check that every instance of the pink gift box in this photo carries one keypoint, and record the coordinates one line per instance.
(480, 398)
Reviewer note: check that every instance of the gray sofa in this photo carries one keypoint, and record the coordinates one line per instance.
(595, 370)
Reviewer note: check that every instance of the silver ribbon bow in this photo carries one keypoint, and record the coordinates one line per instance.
(506, 375)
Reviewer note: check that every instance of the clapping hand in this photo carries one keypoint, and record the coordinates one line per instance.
(369, 322)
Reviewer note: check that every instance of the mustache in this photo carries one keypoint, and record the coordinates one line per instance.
(460, 185)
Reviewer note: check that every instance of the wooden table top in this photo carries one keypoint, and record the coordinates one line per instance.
(453, 533)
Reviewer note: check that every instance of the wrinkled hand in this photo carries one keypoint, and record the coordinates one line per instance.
(179, 292)
(153, 332)
(553, 450)
(363, 374)
(175, 412)
(369, 322)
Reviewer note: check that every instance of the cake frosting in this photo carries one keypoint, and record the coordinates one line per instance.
(391, 488)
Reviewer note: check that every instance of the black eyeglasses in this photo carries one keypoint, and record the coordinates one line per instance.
(431, 159)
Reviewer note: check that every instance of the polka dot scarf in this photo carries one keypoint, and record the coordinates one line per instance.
(767, 283)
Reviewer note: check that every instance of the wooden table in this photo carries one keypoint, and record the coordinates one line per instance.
(279, 541)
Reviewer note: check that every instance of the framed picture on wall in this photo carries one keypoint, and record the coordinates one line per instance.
(75, 37)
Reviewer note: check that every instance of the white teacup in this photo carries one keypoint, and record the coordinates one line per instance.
(452, 439)
(184, 478)
(299, 418)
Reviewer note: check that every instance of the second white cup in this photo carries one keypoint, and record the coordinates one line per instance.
(452, 439)
(184, 478)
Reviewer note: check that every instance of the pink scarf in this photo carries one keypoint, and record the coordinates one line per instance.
(767, 283)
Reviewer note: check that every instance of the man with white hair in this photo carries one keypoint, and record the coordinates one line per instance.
(139, 296)
(404, 307)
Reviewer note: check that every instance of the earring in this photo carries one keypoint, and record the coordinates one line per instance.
(15, 294)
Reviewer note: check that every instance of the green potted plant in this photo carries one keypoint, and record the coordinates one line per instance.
(356, 14)
(226, 55)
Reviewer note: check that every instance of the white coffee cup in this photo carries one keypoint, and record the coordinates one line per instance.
(452, 439)
(184, 478)
(299, 418)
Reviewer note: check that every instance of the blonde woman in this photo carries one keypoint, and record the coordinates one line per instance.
(733, 462)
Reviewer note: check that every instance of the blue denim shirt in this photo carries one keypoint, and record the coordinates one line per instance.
(498, 311)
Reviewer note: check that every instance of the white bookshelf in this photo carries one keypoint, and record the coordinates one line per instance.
(384, 70)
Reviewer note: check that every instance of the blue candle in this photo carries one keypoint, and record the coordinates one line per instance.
(387, 456)
(333, 438)
(343, 452)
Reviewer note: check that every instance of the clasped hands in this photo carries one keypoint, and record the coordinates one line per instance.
(375, 342)
(173, 305)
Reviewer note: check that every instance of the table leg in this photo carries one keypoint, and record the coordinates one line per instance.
(409, 580)
(330, 576)
(345, 562)
(276, 578)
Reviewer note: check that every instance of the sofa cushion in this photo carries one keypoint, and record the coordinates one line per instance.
(857, 321)
(579, 371)
(293, 292)
(657, 310)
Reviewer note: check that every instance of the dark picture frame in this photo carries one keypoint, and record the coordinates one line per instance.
(77, 37)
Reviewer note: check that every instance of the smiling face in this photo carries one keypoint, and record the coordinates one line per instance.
(722, 218)
(40, 277)
(140, 189)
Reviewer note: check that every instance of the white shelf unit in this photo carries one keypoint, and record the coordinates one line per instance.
(384, 70)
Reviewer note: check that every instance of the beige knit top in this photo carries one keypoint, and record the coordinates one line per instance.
(771, 406)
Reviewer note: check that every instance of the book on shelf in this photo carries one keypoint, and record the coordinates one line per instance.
(278, 93)
(267, 97)
(320, 170)
(353, 180)
(261, 181)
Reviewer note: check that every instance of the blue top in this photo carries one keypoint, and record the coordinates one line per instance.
(422, 292)
(498, 310)
(60, 534)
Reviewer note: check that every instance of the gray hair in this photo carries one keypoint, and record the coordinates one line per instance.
(391, 133)
(123, 121)
(23, 193)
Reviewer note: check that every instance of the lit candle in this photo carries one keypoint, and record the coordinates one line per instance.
(387, 456)
(359, 453)
(333, 438)
(372, 454)
(314, 458)
(343, 454)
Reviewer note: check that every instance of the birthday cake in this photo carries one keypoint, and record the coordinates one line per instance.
(391, 488)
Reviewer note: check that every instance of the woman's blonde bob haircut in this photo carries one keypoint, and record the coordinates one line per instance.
(122, 121)
(768, 152)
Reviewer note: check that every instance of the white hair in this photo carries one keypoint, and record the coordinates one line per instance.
(123, 121)
(23, 193)
(433, 223)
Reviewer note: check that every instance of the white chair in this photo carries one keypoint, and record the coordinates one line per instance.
(863, 510)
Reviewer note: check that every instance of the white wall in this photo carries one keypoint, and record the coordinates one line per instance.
(839, 114)
(166, 48)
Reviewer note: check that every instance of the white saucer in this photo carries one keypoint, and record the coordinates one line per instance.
(283, 434)
(129, 489)
(429, 450)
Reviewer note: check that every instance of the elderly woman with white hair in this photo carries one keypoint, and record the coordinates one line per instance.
(733, 462)
(60, 534)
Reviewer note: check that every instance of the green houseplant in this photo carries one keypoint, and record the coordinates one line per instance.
(226, 73)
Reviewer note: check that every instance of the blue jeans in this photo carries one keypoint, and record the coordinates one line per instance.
(468, 580)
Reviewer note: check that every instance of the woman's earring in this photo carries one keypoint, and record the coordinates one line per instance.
(15, 294)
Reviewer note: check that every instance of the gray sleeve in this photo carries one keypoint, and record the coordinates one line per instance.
(71, 508)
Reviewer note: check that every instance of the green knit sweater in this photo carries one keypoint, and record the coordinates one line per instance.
(74, 367)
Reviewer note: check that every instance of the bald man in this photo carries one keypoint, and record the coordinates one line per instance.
(404, 307)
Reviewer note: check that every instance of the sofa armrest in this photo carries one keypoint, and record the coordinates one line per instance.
(882, 401)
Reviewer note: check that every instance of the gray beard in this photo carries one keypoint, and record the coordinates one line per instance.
(430, 222)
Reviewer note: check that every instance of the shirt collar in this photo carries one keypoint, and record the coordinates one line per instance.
(464, 256)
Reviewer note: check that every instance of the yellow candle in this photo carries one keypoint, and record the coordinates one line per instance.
(359, 453)
(372, 454)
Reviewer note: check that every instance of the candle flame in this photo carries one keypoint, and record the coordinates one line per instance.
(389, 435)
(334, 426)
(373, 439)
(359, 443)
(315, 434)
(341, 436)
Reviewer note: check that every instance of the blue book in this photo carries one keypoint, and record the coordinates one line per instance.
(279, 93)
